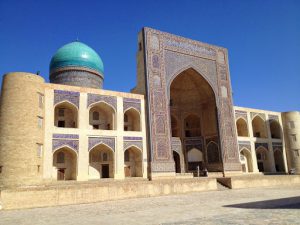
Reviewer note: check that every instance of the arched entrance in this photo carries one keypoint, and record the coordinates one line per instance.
(133, 162)
(65, 164)
(246, 160)
(279, 162)
(65, 115)
(263, 160)
(275, 129)
(101, 162)
(259, 127)
(176, 158)
(102, 116)
(132, 120)
(193, 101)
(242, 128)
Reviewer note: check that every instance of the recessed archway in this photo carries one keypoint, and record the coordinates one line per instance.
(192, 100)
(246, 160)
(263, 160)
(213, 155)
(195, 159)
(102, 116)
(133, 162)
(242, 128)
(101, 162)
(65, 115)
(259, 127)
(275, 129)
(65, 164)
(132, 121)
(279, 162)
(176, 158)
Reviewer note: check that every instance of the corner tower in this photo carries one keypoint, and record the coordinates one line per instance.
(77, 64)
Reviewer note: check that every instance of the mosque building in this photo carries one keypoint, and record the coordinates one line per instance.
(177, 121)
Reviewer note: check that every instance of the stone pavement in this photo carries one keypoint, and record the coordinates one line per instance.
(272, 205)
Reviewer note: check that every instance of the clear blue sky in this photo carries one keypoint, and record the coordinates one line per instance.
(262, 37)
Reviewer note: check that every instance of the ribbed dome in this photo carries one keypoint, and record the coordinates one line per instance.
(76, 54)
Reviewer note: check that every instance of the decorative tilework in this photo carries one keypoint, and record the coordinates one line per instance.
(65, 136)
(274, 117)
(132, 138)
(176, 145)
(265, 145)
(193, 143)
(109, 141)
(244, 144)
(277, 146)
(59, 143)
(111, 100)
(242, 114)
(254, 114)
(131, 103)
(128, 144)
(70, 96)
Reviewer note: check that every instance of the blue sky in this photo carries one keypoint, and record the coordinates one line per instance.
(262, 37)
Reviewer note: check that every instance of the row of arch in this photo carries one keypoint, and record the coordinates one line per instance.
(264, 160)
(195, 157)
(101, 163)
(102, 116)
(259, 128)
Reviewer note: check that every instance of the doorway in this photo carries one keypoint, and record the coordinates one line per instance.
(61, 174)
(105, 171)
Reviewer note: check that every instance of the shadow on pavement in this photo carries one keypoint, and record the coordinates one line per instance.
(282, 203)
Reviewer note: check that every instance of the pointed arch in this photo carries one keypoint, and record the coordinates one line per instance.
(213, 155)
(65, 115)
(259, 127)
(132, 120)
(246, 160)
(133, 159)
(106, 119)
(242, 127)
(65, 163)
(275, 129)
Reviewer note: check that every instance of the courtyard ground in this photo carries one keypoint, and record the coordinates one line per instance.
(272, 205)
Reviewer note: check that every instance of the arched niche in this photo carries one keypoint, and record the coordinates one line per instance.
(259, 127)
(176, 158)
(275, 129)
(102, 116)
(246, 160)
(132, 120)
(279, 161)
(133, 162)
(65, 164)
(101, 162)
(66, 115)
(242, 128)
(263, 159)
(213, 155)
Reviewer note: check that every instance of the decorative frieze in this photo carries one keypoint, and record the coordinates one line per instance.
(70, 96)
(190, 143)
(265, 145)
(59, 143)
(109, 141)
(254, 114)
(65, 136)
(111, 100)
(132, 141)
(240, 114)
(131, 103)
(244, 144)
(277, 146)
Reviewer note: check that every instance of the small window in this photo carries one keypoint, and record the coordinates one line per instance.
(291, 124)
(40, 122)
(61, 112)
(140, 46)
(39, 150)
(104, 157)
(1, 167)
(60, 157)
(61, 123)
(38, 168)
(41, 100)
(294, 137)
(95, 115)
(127, 156)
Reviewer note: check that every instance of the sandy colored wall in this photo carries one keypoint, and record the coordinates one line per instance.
(19, 130)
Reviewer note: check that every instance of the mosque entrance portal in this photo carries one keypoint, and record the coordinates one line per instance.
(194, 120)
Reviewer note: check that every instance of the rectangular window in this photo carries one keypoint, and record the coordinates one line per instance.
(291, 124)
(40, 122)
(294, 137)
(39, 150)
(41, 100)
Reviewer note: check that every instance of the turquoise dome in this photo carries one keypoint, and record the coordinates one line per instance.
(76, 54)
